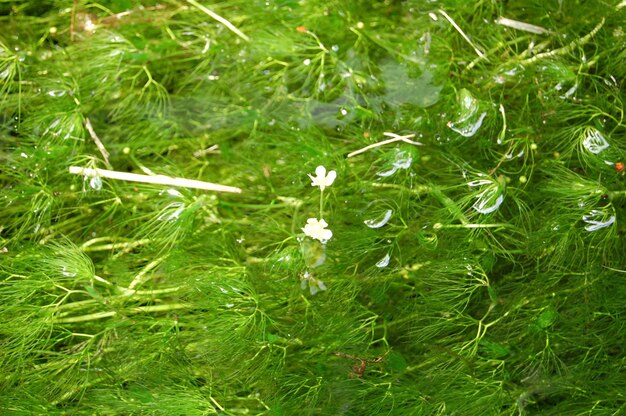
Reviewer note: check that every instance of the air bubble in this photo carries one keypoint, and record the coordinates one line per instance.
(384, 262)
(172, 211)
(402, 160)
(95, 183)
(490, 197)
(594, 141)
(56, 93)
(65, 273)
(379, 222)
(469, 119)
(597, 220)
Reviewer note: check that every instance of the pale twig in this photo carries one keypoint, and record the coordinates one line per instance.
(157, 179)
(220, 19)
(394, 138)
(525, 27)
(98, 142)
(565, 49)
(467, 39)
(215, 149)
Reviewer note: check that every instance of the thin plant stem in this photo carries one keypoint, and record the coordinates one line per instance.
(394, 138)
(566, 49)
(220, 19)
(103, 151)
(462, 33)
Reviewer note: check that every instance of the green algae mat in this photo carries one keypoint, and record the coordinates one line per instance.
(282, 207)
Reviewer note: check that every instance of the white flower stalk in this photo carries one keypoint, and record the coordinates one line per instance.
(317, 230)
(322, 179)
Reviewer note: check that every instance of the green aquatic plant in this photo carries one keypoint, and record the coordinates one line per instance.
(162, 251)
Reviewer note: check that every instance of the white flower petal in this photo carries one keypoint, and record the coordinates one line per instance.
(332, 175)
(321, 179)
(317, 230)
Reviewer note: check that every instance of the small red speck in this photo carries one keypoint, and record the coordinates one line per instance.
(366, 134)
(302, 29)
(619, 166)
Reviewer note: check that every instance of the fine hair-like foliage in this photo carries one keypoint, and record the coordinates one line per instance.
(476, 265)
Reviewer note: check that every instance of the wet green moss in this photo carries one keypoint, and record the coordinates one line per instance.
(476, 259)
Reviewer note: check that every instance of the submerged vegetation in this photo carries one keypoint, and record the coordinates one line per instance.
(466, 257)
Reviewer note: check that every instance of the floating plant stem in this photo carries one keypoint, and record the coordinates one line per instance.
(103, 151)
(467, 39)
(156, 179)
(394, 138)
(526, 27)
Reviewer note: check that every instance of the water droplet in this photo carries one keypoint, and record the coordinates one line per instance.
(306, 62)
(223, 290)
(379, 222)
(384, 262)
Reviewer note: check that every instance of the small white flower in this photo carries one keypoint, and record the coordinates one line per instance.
(315, 285)
(322, 179)
(317, 229)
